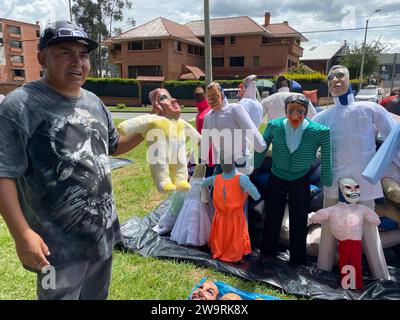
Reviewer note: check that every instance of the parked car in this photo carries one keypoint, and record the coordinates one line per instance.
(370, 93)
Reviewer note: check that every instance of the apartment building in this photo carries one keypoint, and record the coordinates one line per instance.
(240, 46)
(18, 50)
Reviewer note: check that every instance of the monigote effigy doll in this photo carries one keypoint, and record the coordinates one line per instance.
(229, 237)
(249, 100)
(295, 140)
(166, 135)
(192, 227)
(346, 221)
(353, 127)
(229, 128)
(386, 164)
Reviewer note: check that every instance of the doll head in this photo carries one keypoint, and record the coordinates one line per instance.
(250, 87)
(199, 94)
(231, 296)
(163, 104)
(296, 108)
(338, 80)
(350, 190)
(215, 96)
(206, 291)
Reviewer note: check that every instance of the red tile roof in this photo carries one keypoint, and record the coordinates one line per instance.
(228, 26)
(194, 74)
(160, 28)
(284, 30)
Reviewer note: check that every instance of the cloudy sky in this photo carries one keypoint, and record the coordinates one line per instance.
(303, 15)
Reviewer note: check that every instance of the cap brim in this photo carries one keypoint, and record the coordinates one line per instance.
(88, 43)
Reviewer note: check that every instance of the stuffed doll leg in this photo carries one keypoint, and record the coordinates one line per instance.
(327, 245)
(180, 173)
(327, 248)
(391, 189)
(373, 251)
(160, 174)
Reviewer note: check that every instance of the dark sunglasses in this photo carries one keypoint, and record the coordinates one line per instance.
(299, 99)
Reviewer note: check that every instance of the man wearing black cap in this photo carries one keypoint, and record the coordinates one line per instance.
(55, 178)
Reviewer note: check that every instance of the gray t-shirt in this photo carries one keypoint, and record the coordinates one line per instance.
(57, 148)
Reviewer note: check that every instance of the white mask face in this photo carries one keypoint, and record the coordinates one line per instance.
(338, 81)
(350, 190)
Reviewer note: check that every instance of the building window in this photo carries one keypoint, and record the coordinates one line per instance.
(17, 59)
(265, 40)
(135, 45)
(218, 62)
(178, 45)
(135, 71)
(16, 44)
(216, 41)
(14, 30)
(37, 33)
(116, 47)
(18, 73)
(195, 50)
(233, 40)
(256, 61)
(151, 44)
(236, 62)
(1, 42)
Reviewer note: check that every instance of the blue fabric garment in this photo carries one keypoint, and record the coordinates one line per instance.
(383, 157)
(344, 99)
(294, 135)
(244, 181)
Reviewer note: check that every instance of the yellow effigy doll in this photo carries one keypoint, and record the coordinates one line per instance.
(166, 135)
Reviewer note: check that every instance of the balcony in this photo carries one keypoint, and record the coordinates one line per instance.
(15, 35)
(295, 50)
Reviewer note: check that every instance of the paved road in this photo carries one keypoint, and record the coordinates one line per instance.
(128, 115)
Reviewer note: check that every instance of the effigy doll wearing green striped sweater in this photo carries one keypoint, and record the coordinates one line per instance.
(295, 140)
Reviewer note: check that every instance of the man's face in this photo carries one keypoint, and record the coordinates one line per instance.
(170, 107)
(206, 291)
(214, 97)
(338, 82)
(240, 91)
(67, 65)
(295, 114)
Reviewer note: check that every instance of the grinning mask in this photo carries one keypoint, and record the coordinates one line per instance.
(350, 190)
(206, 291)
(338, 81)
(215, 96)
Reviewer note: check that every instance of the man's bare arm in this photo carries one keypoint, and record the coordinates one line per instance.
(127, 143)
(31, 249)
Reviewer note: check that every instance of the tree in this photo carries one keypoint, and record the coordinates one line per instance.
(353, 59)
(97, 17)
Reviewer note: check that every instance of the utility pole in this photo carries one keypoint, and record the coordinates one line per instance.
(363, 49)
(207, 43)
(393, 72)
(70, 10)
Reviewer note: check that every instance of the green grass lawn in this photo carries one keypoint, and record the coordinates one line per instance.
(134, 277)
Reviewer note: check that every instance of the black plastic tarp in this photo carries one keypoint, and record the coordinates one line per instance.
(306, 281)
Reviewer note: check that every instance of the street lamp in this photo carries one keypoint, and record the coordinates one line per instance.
(363, 48)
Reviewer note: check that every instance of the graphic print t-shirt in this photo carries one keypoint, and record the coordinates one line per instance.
(57, 148)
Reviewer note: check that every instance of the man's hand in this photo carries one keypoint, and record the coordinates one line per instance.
(32, 251)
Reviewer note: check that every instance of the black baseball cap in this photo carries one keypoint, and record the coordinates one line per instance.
(65, 31)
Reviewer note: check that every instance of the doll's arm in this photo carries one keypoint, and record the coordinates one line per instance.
(208, 181)
(245, 123)
(267, 136)
(371, 216)
(326, 157)
(320, 215)
(249, 187)
(135, 125)
(191, 132)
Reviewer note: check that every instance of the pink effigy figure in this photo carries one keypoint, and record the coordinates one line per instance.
(345, 222)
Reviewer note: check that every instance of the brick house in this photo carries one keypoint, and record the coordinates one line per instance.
(240, 46)
(18, 50)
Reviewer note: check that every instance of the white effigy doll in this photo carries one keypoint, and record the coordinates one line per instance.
(166, 135)
(345, 222)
